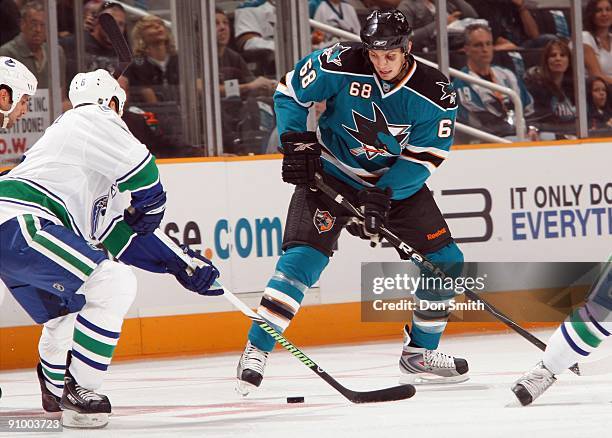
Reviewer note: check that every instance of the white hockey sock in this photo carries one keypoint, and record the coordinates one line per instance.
(55, 341)
(110, 291)
(577, 337)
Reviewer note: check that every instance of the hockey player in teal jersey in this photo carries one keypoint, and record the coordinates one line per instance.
(388, 125)
(583, 331)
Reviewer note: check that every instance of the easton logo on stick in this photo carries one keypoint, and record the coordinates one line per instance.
(287, 345)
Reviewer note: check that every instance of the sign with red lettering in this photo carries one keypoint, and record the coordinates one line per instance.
(26, 131)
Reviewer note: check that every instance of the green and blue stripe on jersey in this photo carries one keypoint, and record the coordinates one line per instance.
(30, 194)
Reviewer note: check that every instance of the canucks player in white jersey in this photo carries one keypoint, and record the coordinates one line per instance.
(387, 127)
(17, 85)
(66, 197)
(575, 339)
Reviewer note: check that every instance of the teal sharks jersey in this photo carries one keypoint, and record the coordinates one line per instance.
(373, 133)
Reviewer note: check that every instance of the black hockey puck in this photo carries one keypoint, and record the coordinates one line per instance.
(295, 399)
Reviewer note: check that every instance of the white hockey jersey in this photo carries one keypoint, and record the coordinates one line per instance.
(341, 16)
(76, 171)
(256, 16)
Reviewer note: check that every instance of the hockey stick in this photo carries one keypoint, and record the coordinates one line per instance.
(120, 45)
(400, 392)
(421, 260)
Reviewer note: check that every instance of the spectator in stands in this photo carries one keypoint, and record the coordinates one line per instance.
(9, 20)
(154, 73)
(421, 15)
(336, 13)
(99, 52)
(30, 47)
(512, 24)
(254, 22)
(481, 107)
(65, 18)
(599, 104)
(246, 102)
(232, 65)
(552, 87)
(154, 86)
(597, 39)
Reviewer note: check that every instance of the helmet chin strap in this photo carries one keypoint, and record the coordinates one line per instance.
(403, 70)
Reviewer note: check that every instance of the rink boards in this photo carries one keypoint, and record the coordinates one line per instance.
(517, 202)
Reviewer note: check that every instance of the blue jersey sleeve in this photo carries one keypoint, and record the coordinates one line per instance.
(309, 82)
(147, 252)
(428, 146)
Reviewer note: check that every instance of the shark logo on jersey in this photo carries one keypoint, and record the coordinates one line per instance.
(97, 213)
(333, 53)
(377, 136)
(448, 92)
(323, 221)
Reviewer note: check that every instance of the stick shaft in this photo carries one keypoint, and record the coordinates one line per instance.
(421, 260)
(389, 394)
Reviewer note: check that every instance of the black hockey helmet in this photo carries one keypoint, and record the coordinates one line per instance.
(386, 30)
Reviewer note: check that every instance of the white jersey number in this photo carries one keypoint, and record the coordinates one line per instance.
(445, 128)
(307, 74)
(359, 89)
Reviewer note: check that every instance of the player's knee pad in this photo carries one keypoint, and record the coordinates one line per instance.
(448, 258)
(112, 287)
(303, 263)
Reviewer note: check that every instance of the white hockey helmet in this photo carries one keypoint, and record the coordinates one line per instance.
(96, 87)
(19, 79)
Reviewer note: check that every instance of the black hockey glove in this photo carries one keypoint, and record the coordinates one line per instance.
(302, 157)
(375, 204)
(199, 280)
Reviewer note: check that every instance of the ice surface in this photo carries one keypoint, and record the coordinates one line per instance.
(195, 397)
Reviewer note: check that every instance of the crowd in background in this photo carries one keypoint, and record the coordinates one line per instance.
(515, 43)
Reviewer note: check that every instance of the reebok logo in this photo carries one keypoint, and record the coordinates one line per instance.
(300, 147)
(437, 234)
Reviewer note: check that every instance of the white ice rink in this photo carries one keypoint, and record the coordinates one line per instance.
(195, 397)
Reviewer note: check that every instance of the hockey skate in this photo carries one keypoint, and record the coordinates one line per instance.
(533, 384)
(250, 369)
(50, 402)
(82, 407)
(421, 366)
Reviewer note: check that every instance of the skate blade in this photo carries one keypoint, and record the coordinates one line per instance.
(522, 395)
(431, 379)
(84, 421)
(244, 388)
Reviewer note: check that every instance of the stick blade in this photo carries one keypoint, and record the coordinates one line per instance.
(120, 45)
(401, 392)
